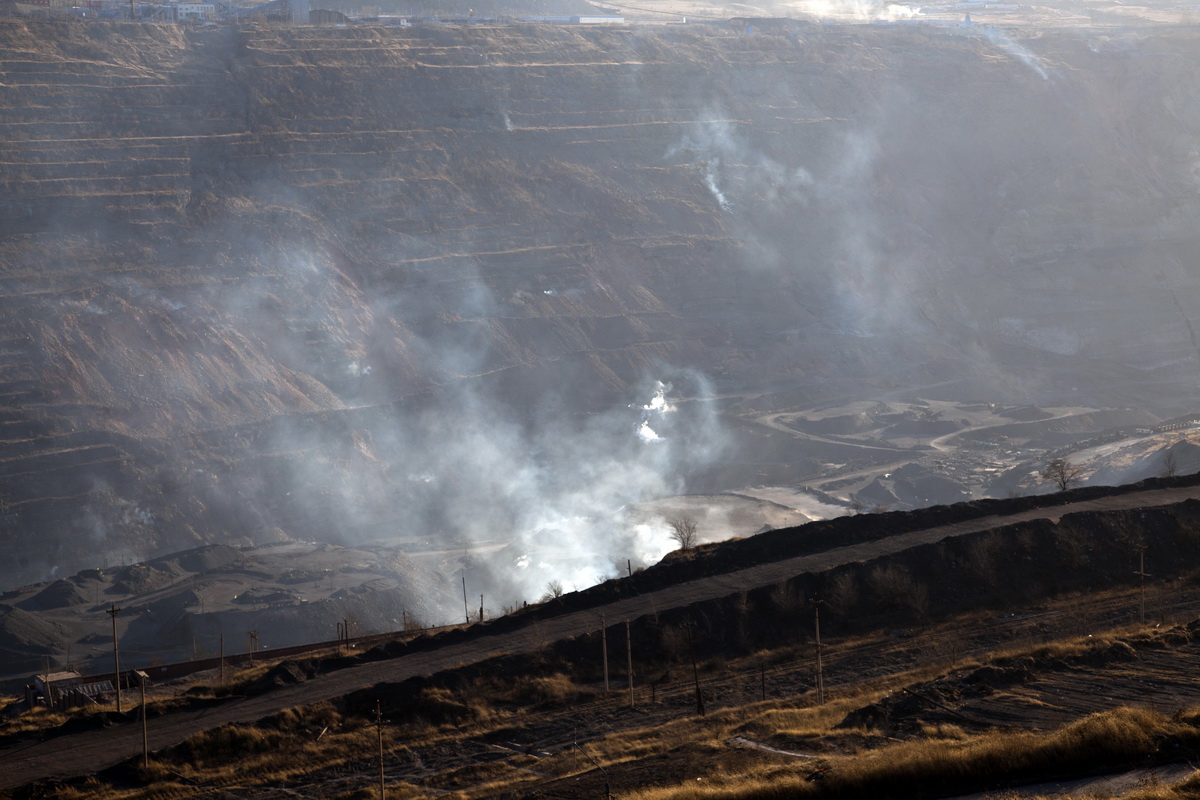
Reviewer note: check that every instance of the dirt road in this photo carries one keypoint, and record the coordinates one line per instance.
(91, 751)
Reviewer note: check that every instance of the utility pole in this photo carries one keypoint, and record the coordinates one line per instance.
(695, 669)
(604, 650)
(603, 771)
(112, 612)
(820, 666)
(1141, 573)
(379, 733)
(145, 735)
(481, 608)
(629, 660)
(466, 611)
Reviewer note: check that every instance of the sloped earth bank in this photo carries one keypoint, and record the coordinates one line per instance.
(900, 581)
(260, 284)
(202, 601)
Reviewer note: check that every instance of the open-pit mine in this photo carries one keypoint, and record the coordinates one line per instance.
(457, 314)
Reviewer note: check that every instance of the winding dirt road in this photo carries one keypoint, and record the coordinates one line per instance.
(88, 752)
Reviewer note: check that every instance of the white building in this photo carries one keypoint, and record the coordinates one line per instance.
(594, 19)
(193, 12)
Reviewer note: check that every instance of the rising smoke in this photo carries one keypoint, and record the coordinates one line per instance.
(525, 468)
(547, 491)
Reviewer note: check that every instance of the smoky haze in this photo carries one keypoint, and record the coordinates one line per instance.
(481, 290)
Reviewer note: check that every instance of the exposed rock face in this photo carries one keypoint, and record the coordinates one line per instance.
(339, 283)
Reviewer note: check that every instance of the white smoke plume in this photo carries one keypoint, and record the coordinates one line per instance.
(774, 193)
(1017, 51)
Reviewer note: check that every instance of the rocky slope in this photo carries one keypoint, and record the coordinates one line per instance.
(338, 283)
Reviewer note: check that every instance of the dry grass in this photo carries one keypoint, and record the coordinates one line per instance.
(34, 721)
(321, 747)
(961, 764)
(1187, 789)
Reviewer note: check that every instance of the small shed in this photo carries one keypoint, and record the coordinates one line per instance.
(63, 690)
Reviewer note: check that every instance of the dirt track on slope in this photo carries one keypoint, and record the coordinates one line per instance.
(92, 751)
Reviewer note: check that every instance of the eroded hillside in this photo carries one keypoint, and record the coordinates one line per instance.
(347, 283)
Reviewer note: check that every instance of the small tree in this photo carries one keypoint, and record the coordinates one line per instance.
(1062, 473)
(842, 594)
(1170, 465)
(683, 531)
(554, 590)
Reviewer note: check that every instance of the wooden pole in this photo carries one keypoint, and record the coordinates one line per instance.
(695, 669)
(379, 732)
(629, 660)
(466, 611)
(604, 650)
(820, 665)
(145, 734)
(1142, 582)
(1142, 585)
(112, 612)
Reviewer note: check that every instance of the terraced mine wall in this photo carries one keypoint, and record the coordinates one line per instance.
(254, 280)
